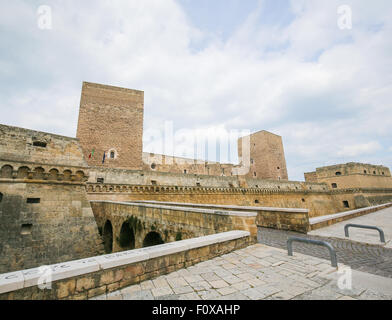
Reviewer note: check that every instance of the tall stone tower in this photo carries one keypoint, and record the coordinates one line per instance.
(111, 122)
(265, 154)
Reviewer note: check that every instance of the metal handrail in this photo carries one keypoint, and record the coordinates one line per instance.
(382, 236)
(332, 252)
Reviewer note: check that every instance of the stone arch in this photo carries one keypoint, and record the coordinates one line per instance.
(127, 237)
(6, 172)
(152, 239)
(79, 175)
(108, 237)
(67, 175)
(53, 174)
(23, 173)
(38, 173)
(90, 188)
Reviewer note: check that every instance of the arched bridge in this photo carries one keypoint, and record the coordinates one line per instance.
(126, 226)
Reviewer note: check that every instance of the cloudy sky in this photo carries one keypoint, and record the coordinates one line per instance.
(212, 67)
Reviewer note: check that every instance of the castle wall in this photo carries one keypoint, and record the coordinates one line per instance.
(170, 164)
(148, 177)
(111, 121)
(44, 212)
(29, 146)
(318, 203)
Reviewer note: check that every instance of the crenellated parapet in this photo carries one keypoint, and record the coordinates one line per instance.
(127, 188)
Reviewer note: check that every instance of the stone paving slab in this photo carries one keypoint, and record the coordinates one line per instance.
(284, 278)
(373, 259)
(381, 219)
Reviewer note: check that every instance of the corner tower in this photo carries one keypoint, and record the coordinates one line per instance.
(266, 155)
(111, 122)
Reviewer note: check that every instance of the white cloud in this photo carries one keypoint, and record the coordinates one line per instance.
(326, 91)
(359, 149)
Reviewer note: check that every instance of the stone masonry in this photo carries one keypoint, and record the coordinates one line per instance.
(111, 122)
(44, 212)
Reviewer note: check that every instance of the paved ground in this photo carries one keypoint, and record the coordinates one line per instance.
(381, 219)
(258, 272)
(372, 259)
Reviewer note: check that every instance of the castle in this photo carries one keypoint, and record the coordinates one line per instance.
(111, 123)
(50, 185)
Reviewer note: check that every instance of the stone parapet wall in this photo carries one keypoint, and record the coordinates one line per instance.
(321, 222)
(83, 279)
(277, 218)
(23, 145)
(318, 202)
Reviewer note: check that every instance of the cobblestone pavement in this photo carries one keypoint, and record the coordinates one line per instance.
(381, 219)
(373, 259)
(254, 273)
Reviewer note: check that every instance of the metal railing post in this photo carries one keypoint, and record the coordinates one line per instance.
(382, 236)
(332, 252)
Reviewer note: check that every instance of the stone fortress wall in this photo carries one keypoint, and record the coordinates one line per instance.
(352, 175)
(44, 212)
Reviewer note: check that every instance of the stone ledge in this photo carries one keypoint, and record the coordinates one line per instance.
(233, 207)
(324, 221)
(67, 271)
(294, 219)
(178, 208)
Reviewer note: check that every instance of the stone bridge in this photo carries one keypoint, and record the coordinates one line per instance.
(126, 225)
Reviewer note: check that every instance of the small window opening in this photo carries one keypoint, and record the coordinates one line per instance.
(383, 173)
(33, 200)
(153, 182)
(334, 185)
(303, 200)
(364, 171)
(39, 144)
(374, 172)
(153, 166)
(255, 174)
(257, 201)
(1, 196)
(112, 154)
(278, 168)
(338, 173)
(185, 171)
(198, 184)
(346, 204)
(100, 180)
(26, 229)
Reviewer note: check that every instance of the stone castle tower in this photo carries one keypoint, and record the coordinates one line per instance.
(264, 150)
(111, 122)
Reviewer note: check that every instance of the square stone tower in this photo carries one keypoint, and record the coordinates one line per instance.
(111, 122)
(265, 154)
